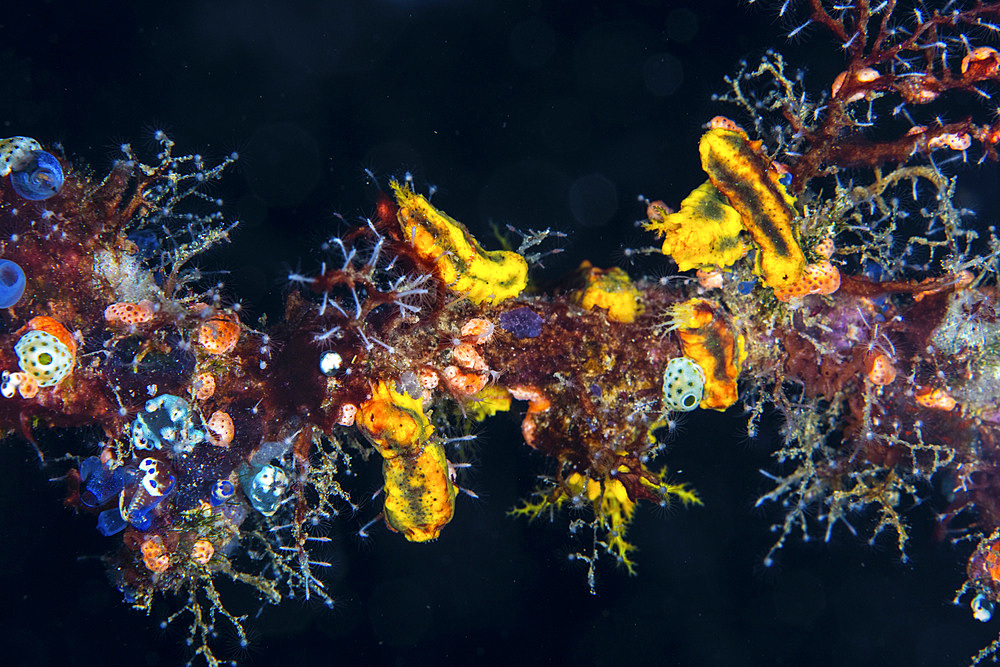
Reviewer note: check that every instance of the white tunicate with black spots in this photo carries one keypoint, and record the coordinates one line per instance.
(683, 384)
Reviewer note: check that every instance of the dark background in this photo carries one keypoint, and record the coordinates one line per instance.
(535, 114)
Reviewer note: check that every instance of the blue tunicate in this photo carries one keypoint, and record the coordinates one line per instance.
(155, 484)
(110, 522)
(147, 243)
(265, 487)
(166, 423)
(746, 286)
(222, 491)
(11, 283)
(522, 322)
(100, 482)
(38, 176)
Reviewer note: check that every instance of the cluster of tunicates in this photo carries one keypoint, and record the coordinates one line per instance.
(166, 423)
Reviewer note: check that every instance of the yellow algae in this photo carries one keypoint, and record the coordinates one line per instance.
(705, 231)
(612, 502)
(419, 494)
(743, 176)
(611, 290)
(395, 423)
(459, 261)
(708, 338)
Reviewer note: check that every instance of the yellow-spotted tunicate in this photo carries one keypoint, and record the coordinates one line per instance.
(683, 384)
(44, 357)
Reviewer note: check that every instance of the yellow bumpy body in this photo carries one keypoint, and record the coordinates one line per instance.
(419, 494)
(395, 423)
(740, 172)
(611, 290)
(704, 233)
(459, 261)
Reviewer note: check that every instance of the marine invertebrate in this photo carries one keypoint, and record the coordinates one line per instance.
(36, 175)
(708, 339)
(705, 232)
(44, 357)
(683, 384)
(458, 259)
(611, 290)
(11, 283)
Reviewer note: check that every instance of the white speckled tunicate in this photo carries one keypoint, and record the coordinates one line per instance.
(44, 357)
(683, 384)
(13, 150)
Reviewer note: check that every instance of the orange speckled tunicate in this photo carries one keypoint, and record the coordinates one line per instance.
(203, 386)
(220, 333)
(221, 430)
(128, 313)
(935, 399)
(879, 369)
(154, 555)
(464, 382)
(466, 356)
(819, 278)
(478, 330)
(202, 552)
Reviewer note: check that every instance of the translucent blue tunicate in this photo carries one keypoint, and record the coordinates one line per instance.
(38, 176)
(110, 522)
(270, 450)
(222, 491)
(265, 487)
(147, 243)
(11, 283)
(101, 483)
(155, 484)
(746, 286)
(167, 424)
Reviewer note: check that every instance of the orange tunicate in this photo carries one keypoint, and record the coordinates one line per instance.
(866, 75)
(537, 402)
(202, 552)
(128, 313)
(992, 561)
(346, 413)
(956, 142)
(221, 430)
(203, 386)
(428, 378)
(935, 399)
(879, 369)
(819, 278)
(464, 382)
(220, 333)
(154, 555)
(723, 123)
(55, 328)
(981, 63)
(478, 330)
(825, 248)
(466, 356)
(710, 278)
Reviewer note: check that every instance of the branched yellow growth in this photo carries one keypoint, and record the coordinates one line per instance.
(610, 290)
(611, 503)
(738, 170)
(704, 233)
(708, 338)
(459, 261)
(419, 494)
(489, 401)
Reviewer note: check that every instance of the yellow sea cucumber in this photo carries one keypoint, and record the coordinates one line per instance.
(460, 262)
